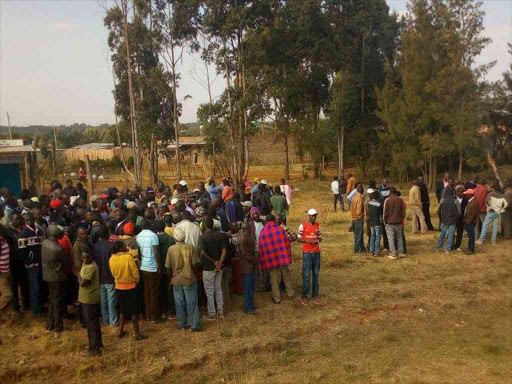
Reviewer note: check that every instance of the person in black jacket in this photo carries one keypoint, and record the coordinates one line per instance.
(19, 278)
(29, 243)
(261, 201)
(449, 213)
(425, 203)
(462, 202)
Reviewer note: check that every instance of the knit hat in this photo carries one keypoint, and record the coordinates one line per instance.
(128, 229)
(254, 210)
(179, 235)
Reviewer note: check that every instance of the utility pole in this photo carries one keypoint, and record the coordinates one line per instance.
(9, 122)
(54, 152)
(55, 136)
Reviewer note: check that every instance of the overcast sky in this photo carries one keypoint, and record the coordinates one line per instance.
(53, 67)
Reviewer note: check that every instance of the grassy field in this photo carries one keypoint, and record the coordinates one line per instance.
(429, 318)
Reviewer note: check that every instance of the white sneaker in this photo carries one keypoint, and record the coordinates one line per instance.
(479, 242)
(459, 249)
(392, 257)
(402, 255)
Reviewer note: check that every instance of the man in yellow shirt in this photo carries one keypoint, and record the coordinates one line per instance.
(181, 261)
(415, 206)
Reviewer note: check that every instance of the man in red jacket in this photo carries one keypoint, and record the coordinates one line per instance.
(480, 193)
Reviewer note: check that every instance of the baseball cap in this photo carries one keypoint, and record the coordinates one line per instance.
(94, 197)
(264, 182)
(183, 182)
(469, 192)
(370, 190)
(256, 179)
(247, 204)
(312, 212)
(54, 204)
(104, 196)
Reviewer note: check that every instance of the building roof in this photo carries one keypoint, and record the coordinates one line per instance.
(95, 146)
(17, 149)
(192, 140)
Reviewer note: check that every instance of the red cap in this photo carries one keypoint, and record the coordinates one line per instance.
(128, 228)
(54, 204)
(103, 196)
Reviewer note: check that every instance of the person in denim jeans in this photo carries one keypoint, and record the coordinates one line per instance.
(496, 204)
(108, 297)
(310, 236)
(248, 263)
(471, 215)
(375, 216)
(181, 262)
(449, 212)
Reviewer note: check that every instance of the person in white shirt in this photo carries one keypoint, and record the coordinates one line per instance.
(335, 188)
(191, 229)
(496, 204)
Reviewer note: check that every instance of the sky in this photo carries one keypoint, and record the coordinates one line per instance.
(54, 61)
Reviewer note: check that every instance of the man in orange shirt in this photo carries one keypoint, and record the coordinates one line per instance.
(351, 183)
(357, 210)
(310, 237)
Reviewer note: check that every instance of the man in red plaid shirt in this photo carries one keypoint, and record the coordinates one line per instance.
(275, 256)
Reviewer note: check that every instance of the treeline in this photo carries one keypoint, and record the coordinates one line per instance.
(348, 80)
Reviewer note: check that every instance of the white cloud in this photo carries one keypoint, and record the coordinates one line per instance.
(64, 27)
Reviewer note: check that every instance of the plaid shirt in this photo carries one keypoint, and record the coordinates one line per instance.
(274, 247)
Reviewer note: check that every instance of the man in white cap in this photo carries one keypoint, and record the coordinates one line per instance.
(310, 236)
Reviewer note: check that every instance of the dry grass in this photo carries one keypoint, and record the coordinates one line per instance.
(430, 318)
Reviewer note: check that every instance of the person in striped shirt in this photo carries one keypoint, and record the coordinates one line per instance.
(5, 273)
(310, 236)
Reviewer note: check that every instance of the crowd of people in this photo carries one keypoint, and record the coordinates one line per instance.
(159, 254)
(470, 207)
(126, 255)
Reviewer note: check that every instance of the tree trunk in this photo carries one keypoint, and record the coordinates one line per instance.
(89, 179)
(133, 114)
(492, 163)
(433, 178)
(151, 156)
(117, 129)
(175, 115)
(286, 159)
(461, 161)
(234, 154)
(54, 160)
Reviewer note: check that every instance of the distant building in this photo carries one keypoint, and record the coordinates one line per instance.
(17, 165)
